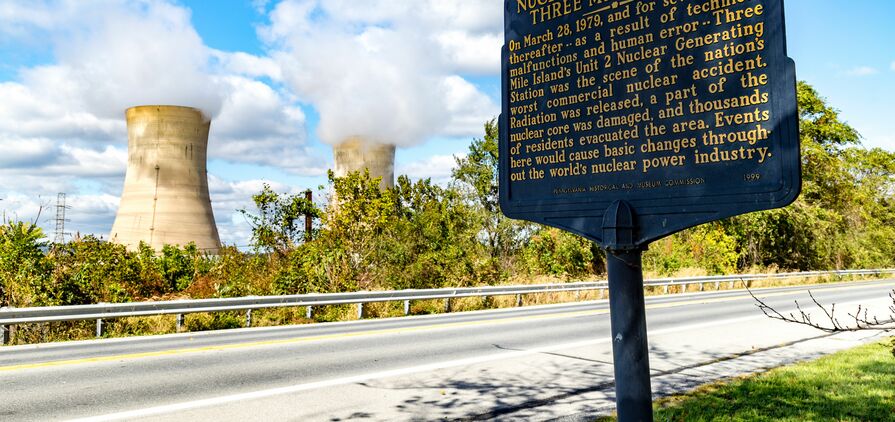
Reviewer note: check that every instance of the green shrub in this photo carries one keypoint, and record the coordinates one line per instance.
(23, 266)
(555, 252)
(92, 271)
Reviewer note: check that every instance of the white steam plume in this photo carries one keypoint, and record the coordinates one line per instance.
(372, 69)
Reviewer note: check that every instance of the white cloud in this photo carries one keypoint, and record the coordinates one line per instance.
(376, 69)
(89, 214)
(370, 84)
(20, 20)
(469, 32)
(114, 55)
(862, 71)
(468, 107)
(472, 53)
(44, 157)
(260, 5)
(108, 56)
(892, 66)
(109, 162)
(27, 112)
(27, 153)
(20, 207)
(437, 167)
(257, 125)
(245, 64)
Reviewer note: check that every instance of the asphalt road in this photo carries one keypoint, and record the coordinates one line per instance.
(523, 363)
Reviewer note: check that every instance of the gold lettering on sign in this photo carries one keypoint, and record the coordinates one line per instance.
(639, 89)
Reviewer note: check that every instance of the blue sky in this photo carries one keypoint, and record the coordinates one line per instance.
(847, 51)
(267, 71)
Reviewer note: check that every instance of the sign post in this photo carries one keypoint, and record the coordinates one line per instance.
(627, 312)
(627, 121)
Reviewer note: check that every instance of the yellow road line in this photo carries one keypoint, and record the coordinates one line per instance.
(294, 340)
(172, 352)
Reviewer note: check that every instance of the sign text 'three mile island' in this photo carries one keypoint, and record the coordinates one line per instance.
(685, 109)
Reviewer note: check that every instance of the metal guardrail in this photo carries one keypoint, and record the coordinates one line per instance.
(98, 312)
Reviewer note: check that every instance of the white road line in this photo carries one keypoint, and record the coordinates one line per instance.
(179, 407)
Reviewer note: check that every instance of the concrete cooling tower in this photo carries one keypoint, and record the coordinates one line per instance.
(356, 155)
(165, 199)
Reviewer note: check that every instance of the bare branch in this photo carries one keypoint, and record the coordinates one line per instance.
(861, 322)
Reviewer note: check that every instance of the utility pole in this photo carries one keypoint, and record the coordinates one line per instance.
(309, 226)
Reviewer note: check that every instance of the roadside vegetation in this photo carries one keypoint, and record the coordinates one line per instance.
(425, 235)
(852, 385)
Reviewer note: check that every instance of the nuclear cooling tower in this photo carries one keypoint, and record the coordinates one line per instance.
(357, 155)
(165, 198)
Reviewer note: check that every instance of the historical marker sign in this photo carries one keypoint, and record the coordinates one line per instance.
(686, 110)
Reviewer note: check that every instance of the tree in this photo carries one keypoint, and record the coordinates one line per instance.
(90, 270)
(557, 252)
(433, 241)
(354, 224)
(276, 227)
(824, 139)
(478, 174)
(844, 218)
(22, 263)
(845, 202)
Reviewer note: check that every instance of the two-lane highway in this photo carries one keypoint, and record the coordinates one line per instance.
(522, 363)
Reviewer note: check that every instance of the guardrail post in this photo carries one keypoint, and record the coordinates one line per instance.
(248, 318)
(5, 334)
(732, 284)
(99, 328)
(717, 285)
(701, 287)
(360, 310)
(665, 288)
(407, 307)
(519, 299)
(179, 322)
(309, 312)
(447, 305)
(684, 289)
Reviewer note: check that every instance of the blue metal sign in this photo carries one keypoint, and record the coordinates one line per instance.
(684, 110)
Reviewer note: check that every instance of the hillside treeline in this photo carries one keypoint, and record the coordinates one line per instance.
(424, 235)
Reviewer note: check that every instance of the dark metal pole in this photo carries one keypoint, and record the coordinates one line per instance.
(309, 227)
(630, 351)
(633, 394)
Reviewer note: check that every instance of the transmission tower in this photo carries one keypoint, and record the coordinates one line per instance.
(60, 218)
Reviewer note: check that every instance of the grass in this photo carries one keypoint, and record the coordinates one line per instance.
(852, 385)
